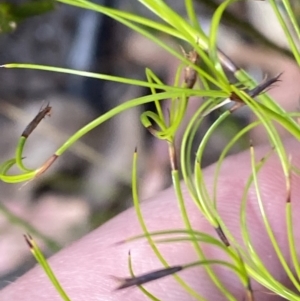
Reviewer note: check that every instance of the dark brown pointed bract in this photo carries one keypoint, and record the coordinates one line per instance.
(28, 239)
(222, 236)
(36, 120)
(145, 278)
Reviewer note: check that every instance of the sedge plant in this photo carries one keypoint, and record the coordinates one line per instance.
(212, 84)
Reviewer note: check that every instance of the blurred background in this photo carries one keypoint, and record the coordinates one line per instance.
(91, 182)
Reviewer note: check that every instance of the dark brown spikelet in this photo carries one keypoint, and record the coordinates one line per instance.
(222, 236)
(36, 120)
(28, 239)
(145, 278)
(264, 86)
(257, 90)
(190, 74)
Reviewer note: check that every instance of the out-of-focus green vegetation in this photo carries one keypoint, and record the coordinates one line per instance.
(11, 14)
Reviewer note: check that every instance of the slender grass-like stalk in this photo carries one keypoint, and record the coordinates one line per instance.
(46, 267)
(204, 68)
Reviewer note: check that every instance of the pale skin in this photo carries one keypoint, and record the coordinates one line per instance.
(85, 268)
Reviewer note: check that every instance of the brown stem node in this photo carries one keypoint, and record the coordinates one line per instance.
(46, 165)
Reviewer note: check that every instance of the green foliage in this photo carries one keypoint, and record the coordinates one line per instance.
(244, 259)
(11, 14)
